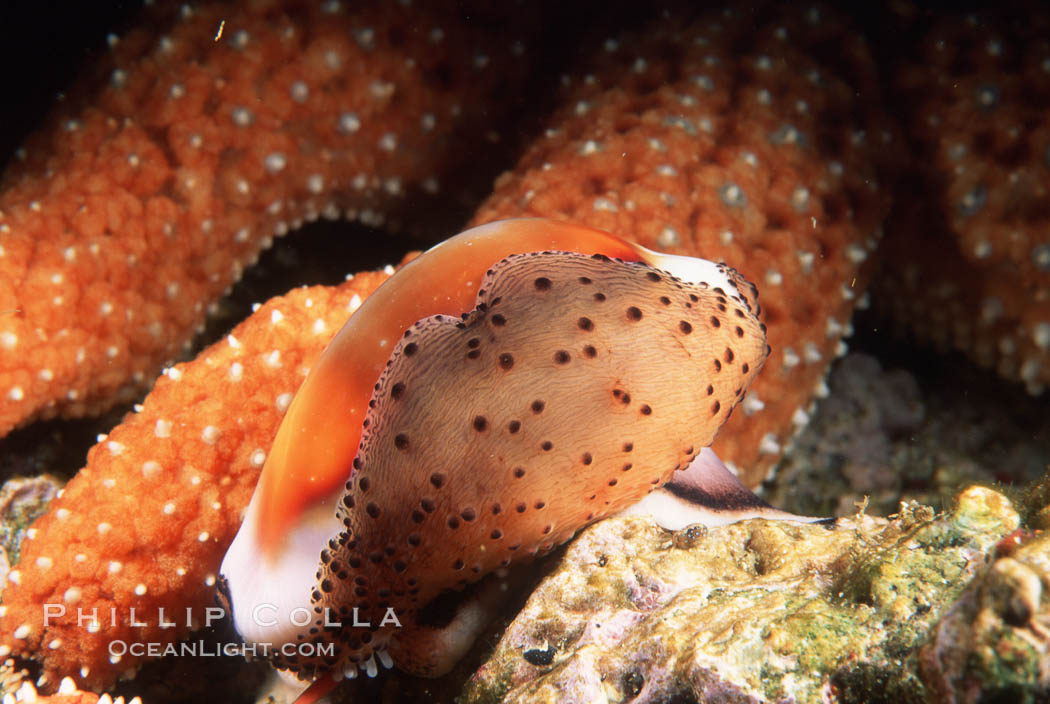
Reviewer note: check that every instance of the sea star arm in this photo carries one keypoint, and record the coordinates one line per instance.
(146, 522)
(194, 146)
(724, 139)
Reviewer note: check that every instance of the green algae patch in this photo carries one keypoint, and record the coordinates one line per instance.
(22, 501)
(765, 611)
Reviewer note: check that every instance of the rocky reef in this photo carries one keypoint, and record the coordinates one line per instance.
(916, 607)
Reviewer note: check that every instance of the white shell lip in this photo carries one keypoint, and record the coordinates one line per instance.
(270, 596)
(693, 269)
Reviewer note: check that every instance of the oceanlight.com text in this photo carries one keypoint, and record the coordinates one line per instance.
(119, 648)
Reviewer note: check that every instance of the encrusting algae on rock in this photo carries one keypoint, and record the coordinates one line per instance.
(996, 637)
(22, 501)
(755, 611)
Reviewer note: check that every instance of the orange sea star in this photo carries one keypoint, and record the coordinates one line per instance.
(129, 215)
(977, 272)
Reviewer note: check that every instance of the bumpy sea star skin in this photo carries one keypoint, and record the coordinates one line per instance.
(978, 272)
(67, 694)
(146, 522)
(730, 142)
(130, 214)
